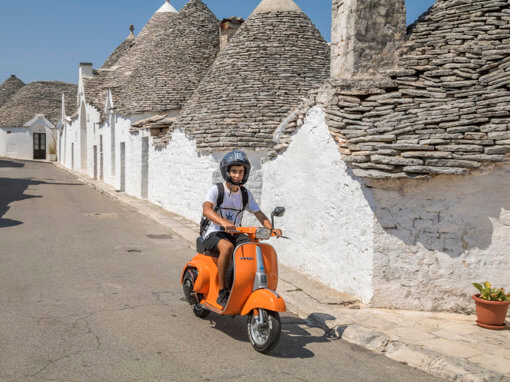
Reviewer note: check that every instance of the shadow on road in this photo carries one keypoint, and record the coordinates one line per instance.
(293, 340)
(10, 163)
(12, 190)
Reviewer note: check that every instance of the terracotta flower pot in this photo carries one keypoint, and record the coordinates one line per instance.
(490, 314)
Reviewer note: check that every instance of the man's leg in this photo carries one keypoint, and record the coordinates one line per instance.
(226, 248)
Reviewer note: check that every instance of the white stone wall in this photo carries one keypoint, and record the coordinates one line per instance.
(435, 237)
(72, 135)
(327, 216)
(18, 142)
(179, 177)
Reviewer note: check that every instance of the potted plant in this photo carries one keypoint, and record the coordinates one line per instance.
(491, 306)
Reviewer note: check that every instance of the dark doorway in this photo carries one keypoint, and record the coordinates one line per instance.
(39, 145)
(101, 171)
(95, 160)
(145, 167)
(123, 166)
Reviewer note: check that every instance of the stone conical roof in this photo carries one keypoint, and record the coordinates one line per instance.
(37, 98)
(175, 63)
(149, 37)
(95, 90)
(121, 50)
(273, 61)
(9, 88)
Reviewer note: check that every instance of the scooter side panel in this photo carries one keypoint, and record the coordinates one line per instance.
(207, 272)
(245, 267)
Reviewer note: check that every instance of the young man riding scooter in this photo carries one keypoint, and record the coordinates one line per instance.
(223, 207)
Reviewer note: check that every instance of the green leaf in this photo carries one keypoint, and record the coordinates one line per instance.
(478, 286)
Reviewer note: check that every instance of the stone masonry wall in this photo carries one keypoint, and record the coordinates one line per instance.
(366, 36)
(445, 110)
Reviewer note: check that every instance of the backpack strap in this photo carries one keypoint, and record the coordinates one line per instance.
(221, 195)
(246, 197)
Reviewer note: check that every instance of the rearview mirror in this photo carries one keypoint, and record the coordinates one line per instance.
(278, 212)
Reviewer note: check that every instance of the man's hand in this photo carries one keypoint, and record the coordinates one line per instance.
(229, 226)
(278, 232)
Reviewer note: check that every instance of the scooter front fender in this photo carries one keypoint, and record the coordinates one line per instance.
(265, 299)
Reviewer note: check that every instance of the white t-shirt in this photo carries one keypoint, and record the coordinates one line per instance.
(232, 206)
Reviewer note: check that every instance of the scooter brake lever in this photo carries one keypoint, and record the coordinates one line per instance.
(283, 237)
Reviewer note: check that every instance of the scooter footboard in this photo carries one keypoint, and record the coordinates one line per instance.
(265, 299)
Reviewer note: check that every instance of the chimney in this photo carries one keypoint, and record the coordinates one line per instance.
(228, 28)
(86, 69)
(366, 37)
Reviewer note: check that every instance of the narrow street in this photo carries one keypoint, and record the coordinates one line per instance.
(89, 291)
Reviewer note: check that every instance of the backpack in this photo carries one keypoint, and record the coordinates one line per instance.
(204, 222)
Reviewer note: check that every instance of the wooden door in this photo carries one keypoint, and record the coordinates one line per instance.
(39, 145)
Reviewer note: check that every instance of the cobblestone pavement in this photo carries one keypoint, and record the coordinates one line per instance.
(447, 345)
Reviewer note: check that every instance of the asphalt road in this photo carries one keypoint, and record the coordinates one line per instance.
(89, 291)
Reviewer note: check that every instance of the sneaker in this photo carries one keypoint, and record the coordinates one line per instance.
(223, 297)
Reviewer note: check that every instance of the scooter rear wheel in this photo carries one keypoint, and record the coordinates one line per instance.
(188, 284)
(264, 337)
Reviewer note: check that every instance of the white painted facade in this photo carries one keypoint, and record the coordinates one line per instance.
(327, 216)
(18, 142)
(433, 238)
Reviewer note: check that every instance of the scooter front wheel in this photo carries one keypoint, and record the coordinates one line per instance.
(264, 336)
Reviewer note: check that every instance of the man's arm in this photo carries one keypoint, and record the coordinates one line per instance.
(209, 213)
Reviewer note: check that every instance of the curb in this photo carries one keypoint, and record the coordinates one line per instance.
(318, 298)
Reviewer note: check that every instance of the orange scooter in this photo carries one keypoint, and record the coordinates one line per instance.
(252, 279)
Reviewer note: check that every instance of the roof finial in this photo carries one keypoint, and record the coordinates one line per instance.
(131, 34)
(167, 7)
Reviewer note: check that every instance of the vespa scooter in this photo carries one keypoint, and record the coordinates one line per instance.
(252, 279)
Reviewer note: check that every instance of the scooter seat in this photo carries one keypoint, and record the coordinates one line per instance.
(201, 248)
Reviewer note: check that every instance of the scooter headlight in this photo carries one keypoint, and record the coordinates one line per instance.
(262, 233)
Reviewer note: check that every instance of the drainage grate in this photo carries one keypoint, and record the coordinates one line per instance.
(134, 251)
(160, 237)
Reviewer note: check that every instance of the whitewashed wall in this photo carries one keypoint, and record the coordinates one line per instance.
(435, 237)
(179, 177)
(327, 216)
(18, 142)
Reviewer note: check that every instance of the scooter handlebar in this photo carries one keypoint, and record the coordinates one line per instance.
(249, 231)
